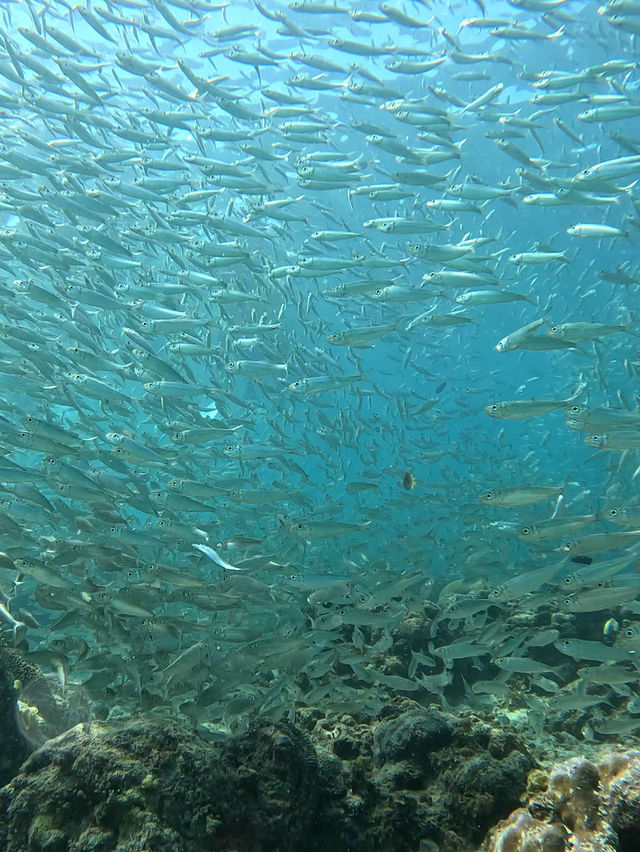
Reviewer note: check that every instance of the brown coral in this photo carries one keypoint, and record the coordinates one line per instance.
(524, 833)
(594, 808)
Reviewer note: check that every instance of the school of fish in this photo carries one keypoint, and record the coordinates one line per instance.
(319, 355)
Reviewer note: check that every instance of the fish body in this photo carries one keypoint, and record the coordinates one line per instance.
(362, 336)
(518, 409)
(256, 369)
(518, 338)
(600, 542)
(578, 331)
(491, 297)
(555, 528)
(216, 414)
(594, 231)
(322, 384)
(584, 649)
(534, 258)
(314, 530)
(520, 496)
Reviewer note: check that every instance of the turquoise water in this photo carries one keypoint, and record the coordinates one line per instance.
(241, 251)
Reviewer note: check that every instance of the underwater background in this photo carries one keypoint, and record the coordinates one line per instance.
(319, 360)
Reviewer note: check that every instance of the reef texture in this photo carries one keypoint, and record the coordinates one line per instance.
(412, 778)
(13, 746)
(418, 774)
(580, 806)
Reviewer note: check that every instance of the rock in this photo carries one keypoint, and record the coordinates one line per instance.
(141, 786)
(412, 736)
(14, 748)
(620, 797)
(587, 806)
(524, 833)
(435, 779)
(412, 778)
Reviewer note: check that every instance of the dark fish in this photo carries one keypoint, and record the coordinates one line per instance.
(408, 481)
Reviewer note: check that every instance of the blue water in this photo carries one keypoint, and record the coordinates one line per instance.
(102, 525)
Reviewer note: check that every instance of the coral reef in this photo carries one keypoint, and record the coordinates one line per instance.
(410, 778)
(14, 748)
(583, 805)
(413, 777)
(152, 786)
(44, 707)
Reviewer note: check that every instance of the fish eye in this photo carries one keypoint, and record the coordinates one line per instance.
(495, 593)
(493, 407)
(613, 513)
(629, 633)
(554, 329)
(299, 526)
(362, 598)
(296, 384)
(567, 581)
(525, 531)
(488, 495)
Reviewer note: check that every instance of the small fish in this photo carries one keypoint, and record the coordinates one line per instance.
(555, 528)
(600, 542)
(591, 231)
(520, 496)
(313, 530)
(517, 338)
(519, 409)
(362, 336)
(578, 331)
(535, 258)
(584, 649)
(408, 481)
(321, 384)
(215, 557)
(523, 665)
(491, 297)
(256, 369)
